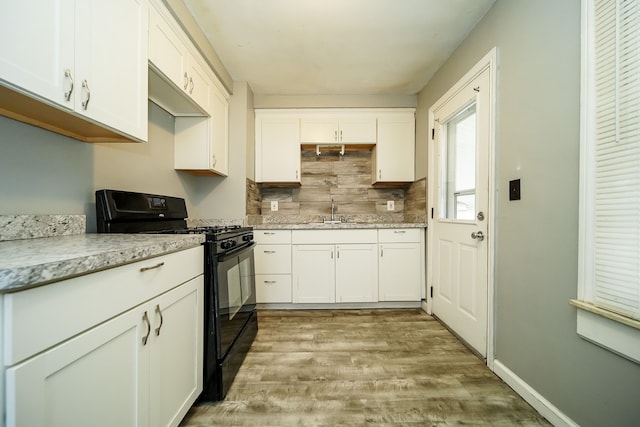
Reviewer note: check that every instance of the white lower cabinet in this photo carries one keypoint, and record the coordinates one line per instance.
(356, 273)
(273, 266)
(335, 266)
(142, 367)
(335, 273)
(313, 274)
(400, 264)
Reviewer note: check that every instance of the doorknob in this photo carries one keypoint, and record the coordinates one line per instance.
(478, 235)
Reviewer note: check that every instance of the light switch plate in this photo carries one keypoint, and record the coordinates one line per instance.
(391, 205)
(274, 206)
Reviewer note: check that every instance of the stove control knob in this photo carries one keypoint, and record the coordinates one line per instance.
(247, 237)
(227, 244)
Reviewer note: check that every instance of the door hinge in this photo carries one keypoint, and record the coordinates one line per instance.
(433, 133)
(431, 213)
(431, 292)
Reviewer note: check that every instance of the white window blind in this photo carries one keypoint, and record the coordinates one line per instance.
(616, 180)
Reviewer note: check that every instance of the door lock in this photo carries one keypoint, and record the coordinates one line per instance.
(479, 235)
(480, 216)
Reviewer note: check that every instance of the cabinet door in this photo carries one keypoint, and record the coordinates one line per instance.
(318, 130)
(98, 378)
(394, 153)
(112, 65)
(200, 85)
(176, 352)
(357, 130)
(278, 149)
(166, 52)
(313, 274)
(356, 273)
(399, 272)
(219, 133)
(37, 47)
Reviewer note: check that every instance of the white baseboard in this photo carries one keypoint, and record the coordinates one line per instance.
(535, 399)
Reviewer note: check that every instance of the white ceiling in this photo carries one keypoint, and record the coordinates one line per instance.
(328, 47)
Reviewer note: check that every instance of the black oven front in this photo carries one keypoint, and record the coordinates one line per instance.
(230, 321)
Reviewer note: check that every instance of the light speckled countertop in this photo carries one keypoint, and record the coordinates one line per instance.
(32, 262)
(343, 225)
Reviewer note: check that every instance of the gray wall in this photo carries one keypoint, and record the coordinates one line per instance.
(45, 173)
(536, 238)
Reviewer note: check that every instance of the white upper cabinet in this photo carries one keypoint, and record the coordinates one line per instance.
(393, 156)
(71, 57)
(277, 148)
(41, 74)
(338, 128)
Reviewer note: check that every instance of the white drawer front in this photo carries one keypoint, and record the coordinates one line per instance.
(39, 318)
(399, 235)
(272, 236)
(273, 288)
(272, 259)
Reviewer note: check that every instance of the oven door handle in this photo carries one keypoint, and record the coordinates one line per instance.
(236, 252)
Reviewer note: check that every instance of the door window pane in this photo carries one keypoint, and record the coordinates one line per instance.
(459, 166)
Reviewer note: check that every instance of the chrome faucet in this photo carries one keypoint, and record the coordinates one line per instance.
(332, 209)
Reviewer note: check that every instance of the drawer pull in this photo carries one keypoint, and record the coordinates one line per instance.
(158, 265)
(269, 252)
(145, 318)
(269, 233)
(159, 312)
(400, 231)
(270, 282)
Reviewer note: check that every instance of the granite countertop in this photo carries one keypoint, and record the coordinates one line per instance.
(32, 262)
(341, 226)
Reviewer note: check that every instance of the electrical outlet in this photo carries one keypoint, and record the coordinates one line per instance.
(274, 206)
(391, 205)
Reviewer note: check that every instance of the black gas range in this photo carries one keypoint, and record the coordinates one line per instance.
(231, 323)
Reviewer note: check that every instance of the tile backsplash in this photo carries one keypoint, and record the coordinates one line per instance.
(344, 179)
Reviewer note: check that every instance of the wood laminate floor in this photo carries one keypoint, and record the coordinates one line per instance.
(396, 367)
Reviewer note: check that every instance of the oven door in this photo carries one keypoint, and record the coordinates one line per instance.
(236, 295)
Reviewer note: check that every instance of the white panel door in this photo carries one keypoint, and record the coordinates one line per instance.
(357, 130)
(318, 130)
(356, 273)
(461, 205)
(112, 64)
(400, 271)
(314, 274)
(99, 378)
(38, 47)
(176, 352)
(278, 149)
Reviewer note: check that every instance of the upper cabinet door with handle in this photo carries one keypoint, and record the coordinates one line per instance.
(37, 64)
(341, 128)
(112, 66)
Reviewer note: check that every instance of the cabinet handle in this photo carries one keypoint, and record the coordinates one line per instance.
(269, 252)
(379, 173)
(341, 136)
(214, 160)
(145, 318)
(381, 252)
(338, 254)
(186, 81)
(270, 282)
(331, 254)
(399, 231)
(191, 85)
(159, 312)
(158, 265)
(296, 174)
(67, 74)
(85, 103)
(335, 135)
